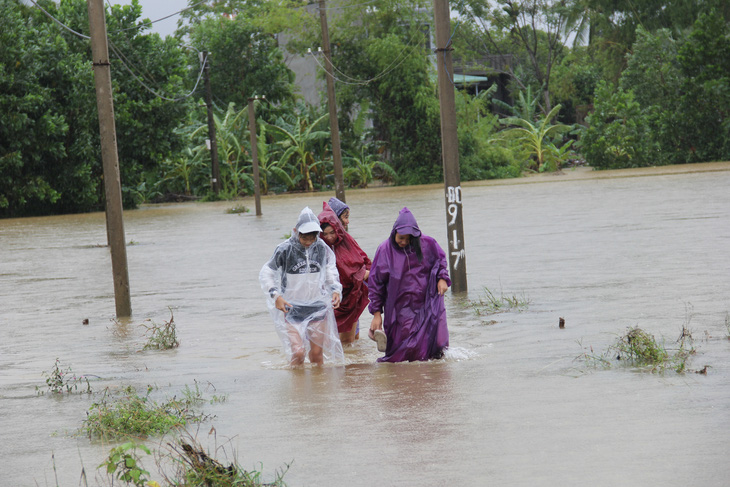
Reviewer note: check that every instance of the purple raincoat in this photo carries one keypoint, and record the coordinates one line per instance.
(405, 291)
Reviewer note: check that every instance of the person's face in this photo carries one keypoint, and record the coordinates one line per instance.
(307, 239)
(345, 218)
(402, 240)
(328, 235)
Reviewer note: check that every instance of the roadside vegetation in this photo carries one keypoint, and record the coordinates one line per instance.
(638, 88)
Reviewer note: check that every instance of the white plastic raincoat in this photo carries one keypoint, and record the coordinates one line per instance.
(306, 277)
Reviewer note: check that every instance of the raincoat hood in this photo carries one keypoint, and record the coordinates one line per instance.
(338, 206)
(307, 222)
(406, 224)
(328, 216)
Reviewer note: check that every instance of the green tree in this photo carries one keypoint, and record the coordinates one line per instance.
(46, 152)
(241, 37)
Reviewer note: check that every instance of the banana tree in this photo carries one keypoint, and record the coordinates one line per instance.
(360, 169)
(298, 141)
(268, 163)
(234, 159)
(536, 137)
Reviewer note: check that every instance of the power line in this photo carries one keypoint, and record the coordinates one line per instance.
(148, 23)
(388, 69)
(59, 22)
(121, 58)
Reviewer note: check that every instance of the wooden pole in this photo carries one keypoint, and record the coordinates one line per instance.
(215, 167)
(109, 157)
(332, 104)
(254, 154)
(450, 148)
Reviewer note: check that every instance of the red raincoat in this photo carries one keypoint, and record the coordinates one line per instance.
(352, 262)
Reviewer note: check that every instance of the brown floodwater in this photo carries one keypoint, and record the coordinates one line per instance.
(510, 405)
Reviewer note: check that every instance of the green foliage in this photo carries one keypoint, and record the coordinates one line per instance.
(300, 142)
(488, 303)
(60, 380)
(138, 416)
(244, 59)
(538, 138)
(194, 466)
(364, 167)
(237, 210)
(124, 463)
(49, 141)
(618, 135)
(672, 105)
(479, 157)
(161, 337)
(638, 348)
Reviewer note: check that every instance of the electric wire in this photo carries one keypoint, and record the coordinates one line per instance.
(200, 75)
(147, 24)
(59, 22)
(388, 69)
(121, 58)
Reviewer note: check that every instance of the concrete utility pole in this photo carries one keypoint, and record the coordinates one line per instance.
(450, 148)
(215, 168)
(109, 157)
(334, 125)
(254, 152)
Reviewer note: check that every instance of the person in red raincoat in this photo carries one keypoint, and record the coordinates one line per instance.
(353, 265)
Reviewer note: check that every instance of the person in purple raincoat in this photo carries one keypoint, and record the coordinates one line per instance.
(408, 279)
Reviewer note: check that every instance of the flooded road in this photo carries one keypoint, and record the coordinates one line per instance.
(509, 406)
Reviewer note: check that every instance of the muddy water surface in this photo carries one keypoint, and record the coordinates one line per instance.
(510, 406)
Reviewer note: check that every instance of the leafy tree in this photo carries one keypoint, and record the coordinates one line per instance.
(242, 39)
(537, 28)
(48, 90)
(479, 156)
(45, 88)
(618, 135)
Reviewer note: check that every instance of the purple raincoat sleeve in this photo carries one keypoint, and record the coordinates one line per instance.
(378, 280)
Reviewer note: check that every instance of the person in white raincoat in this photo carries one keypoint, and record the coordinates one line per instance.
(303, 288)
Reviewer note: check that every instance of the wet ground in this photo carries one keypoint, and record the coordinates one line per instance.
(510, 406)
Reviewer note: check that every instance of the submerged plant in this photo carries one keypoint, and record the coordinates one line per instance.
(237, 209)
(488, 303)
(138, 416)
(60, 380)
(162, 337)
(638, 348)
(193, 465)
(124, 464)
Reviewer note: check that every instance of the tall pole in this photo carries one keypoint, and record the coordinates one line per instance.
(450, 148)
(109, 157)
(215, 168)
(254, 154)
(334, 125)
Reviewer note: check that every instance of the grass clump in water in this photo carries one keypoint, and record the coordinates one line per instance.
(182, 462)
(132, 415)
(195, 466)
(60, 381)
(488, 303)
(238, 210)
(161, 337)
(638, 348)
